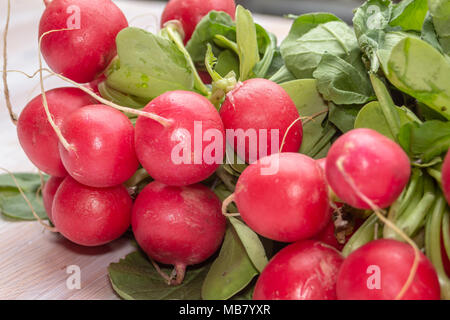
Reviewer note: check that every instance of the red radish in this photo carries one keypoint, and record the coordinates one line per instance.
(260, 105)
(190, 12)
(103, 142)
(85, 51)
(288, 204)
(379, 270)
(37, 137)
(305, 270)
(446, 177)
(192, 119)
(204, 75)
(377, 167)
(180, 226)
(91, 216)
(48, 194)
(322, 162)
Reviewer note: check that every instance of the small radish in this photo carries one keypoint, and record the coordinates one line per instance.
(363, 163)
(179, 226)
(287, 203)
(37, 137)
(264, 108)
(91, 216)
(190, 12)
(177, 154)
(446, 177)
(305, 270)
(48, 194)
(102, 139)
(380, 269)
(84, 52)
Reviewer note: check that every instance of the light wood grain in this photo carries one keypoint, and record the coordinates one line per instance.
(33, 262)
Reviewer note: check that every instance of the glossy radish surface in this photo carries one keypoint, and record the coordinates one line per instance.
(286, 203)
(377, 166)
(190, 148)
(263, 107)
(103, 142)
(91, 216)
(37, 137)
(190, 12)
(48, 194)
(178, 226)
(305, 270)
(446, 177)
(85, 51)
(379, 269)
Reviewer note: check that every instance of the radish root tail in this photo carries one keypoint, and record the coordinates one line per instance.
(225, 205)
(46, 226)
(380, 214)
(12, 115)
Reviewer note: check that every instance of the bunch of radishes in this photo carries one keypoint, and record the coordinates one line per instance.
(93, 153)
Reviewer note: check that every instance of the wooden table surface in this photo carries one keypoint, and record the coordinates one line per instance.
(33, 261)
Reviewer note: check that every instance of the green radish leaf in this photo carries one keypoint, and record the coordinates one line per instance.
(418, 69)
(251, 242)
(121, 98)
(343, 82)
(429, 34)
(409, 14)
(135, 278)
(311, 36)
(371, 116)
(308, 102)
(214, 23)
(440, 13)
(14, 206)
(148, 65)
(427, 140)
(245, 294)
(343, 117)
(282, 75)
(227, 61)
(29, 182)
(12, 203)
(247, 42)
(268, 43)
(275, 66)
(231, 272)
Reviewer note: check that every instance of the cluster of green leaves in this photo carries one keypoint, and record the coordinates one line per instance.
(13, 204)
(390, 73)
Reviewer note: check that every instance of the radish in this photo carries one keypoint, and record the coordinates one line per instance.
(261, 107)
(288, 204)
(180, 226)
(91, 216)
(37, 137)
(48, 194)
(446, 177)
(305, 270)
(85, 51)
(190, 12)
(365, 165)
(103, 153)
(379, 271)
(176, 154)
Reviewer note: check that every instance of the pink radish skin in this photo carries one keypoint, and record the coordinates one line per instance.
(391, 260)
(378, 167)
(190, 12)
(103, 142)
(91, 216)
(446, 177)
(154, 144)
(48, 194)
(287, 206)
(37, 137)
(260, 104)
(305, 270)
(80, 54)
(178, 226)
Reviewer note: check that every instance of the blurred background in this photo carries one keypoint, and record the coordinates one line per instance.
(341, 8)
